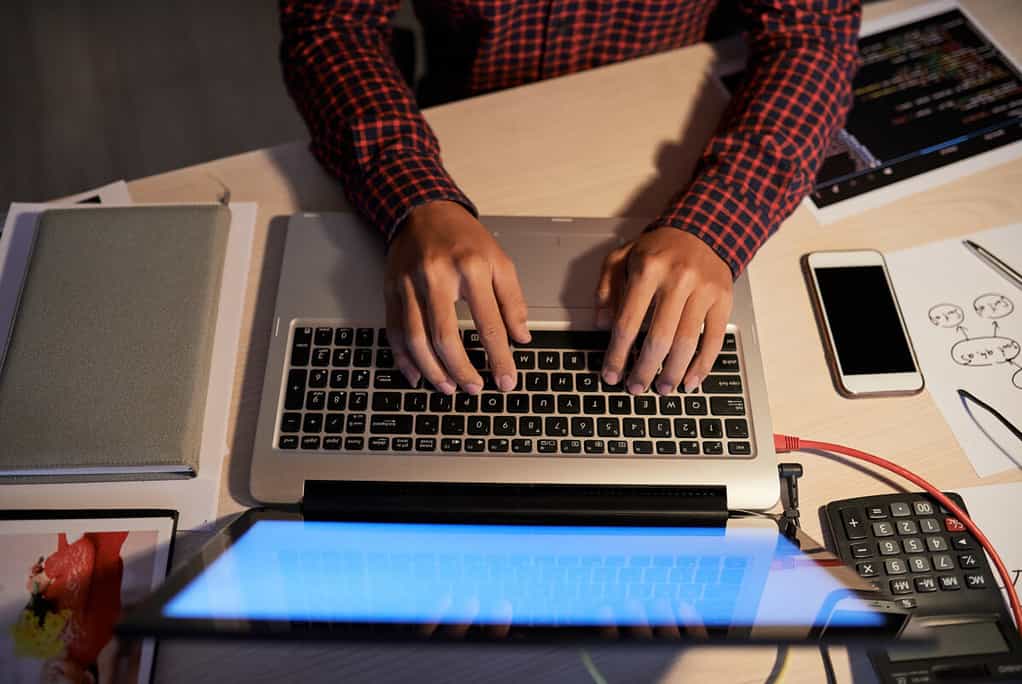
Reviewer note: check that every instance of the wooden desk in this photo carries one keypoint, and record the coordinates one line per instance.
(618, 141)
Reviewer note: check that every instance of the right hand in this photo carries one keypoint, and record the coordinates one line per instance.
(443, 254)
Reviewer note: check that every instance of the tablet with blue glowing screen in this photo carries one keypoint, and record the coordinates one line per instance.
(277, 575)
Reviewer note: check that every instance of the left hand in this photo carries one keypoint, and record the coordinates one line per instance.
(690, 288)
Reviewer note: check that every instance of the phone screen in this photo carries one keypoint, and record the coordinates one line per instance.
(864, 323)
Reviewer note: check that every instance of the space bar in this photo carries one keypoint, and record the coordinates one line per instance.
(390, 424)
(567, 339)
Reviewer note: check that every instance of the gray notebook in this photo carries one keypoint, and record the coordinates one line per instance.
(107, 366)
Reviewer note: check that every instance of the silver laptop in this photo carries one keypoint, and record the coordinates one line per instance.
(335, 408)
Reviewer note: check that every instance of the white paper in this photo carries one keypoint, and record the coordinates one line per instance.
(196, 499)
(965, 320)
(996, 510)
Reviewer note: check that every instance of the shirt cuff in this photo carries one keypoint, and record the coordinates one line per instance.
(732, 221)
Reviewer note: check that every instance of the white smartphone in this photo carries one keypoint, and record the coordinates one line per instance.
(868, 348)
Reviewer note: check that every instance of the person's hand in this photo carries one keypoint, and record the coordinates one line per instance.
(690, 288)
(441, 255)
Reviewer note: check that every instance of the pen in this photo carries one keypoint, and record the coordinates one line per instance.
(965, 395)
(993, 262)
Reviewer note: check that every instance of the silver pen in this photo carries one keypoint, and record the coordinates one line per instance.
(1013, 276)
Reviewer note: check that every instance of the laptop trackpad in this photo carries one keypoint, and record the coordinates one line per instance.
(558, 270)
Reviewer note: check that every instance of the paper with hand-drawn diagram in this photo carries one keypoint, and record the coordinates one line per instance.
(965, 320)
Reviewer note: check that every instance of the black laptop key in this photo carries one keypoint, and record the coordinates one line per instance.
(594, 361)
(736, 428)
(713, 448)
(574, 360)
(530, 426)
(684, 428)
(452, 425)
(358, 401)
(617, 446)
(440, 402)
(415, 401)
(543, 403)
(525, 360)
(504, 426)
(310, 442)
(730, 343)
(342, 357)
(634, 427)
(354, 443)
(536, 382)
(608, 427)
(466, 403)
(475, 444)
(294, 397)
(498, 445)
(471, 339)
(518, 403)
(587, 382)
(727, 406)
(389, 379)
(665, 448)
(593, 446)
(569, 403)
(401, 444)
(594, 404)
(390, 424)
(571, 446)
(670, 406)
(450, 444)
(549, 360)
(567, 339)
(479, 425)
(338, 379)
(477, 357)
(424, 444)
(381, 338)
(363, 358)
(318, 377)
(722, 384)
(332, 443)
(323, 337)
(356, 423)
(659, 428)
(645, 405)
(303, 335)
(315, 400)
(710, 428)
(739, 448)
(492, 403)
(384, 358)
(556, 426)
(291, 422)
(300, 353)
(560, 382)
(620, 405)
(582, 427)
(364, 337)
(521, 446)
(546, 446)
(688, 447)
(642, 446)
(489, 382)
(360, 379)
(343, 337)
(321, 357)
(379, 443)
(725, 363)
(386, 401)
(334, 423)
(695, 406)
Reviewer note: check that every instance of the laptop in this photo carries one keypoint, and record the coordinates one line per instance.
(334, 407)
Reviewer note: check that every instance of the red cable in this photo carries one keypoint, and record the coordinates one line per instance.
(783, 443)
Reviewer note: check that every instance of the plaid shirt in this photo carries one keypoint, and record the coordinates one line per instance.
(761, 161)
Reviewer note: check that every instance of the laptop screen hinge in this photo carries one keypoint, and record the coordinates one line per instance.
(515, 503)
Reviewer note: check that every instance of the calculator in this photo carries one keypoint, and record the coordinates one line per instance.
(921, 556)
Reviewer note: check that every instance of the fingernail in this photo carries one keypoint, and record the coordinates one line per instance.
(611, 378)
(447, 387)
(506, 383)
(664, 388)
(473, 388)
(636, 388)
(692, 383)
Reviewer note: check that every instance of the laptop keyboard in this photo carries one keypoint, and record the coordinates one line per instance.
(343, 393)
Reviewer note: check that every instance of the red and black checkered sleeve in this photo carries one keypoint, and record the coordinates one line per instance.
(365, 126)
(763, 158)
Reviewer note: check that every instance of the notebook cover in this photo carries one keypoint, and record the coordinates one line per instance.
(108, 364)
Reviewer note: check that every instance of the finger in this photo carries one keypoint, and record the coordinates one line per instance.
(435, 616)
(637, 298)
(713, 338)
(638, 622)
(443, 326)
(608, 623)
(665, 622)
(396, 337)
(465, 615)
(686, 340)
(512, 302)
(417, 341)
(612, 277)
(502, 627)
(691, 620)
(478, 292)
(659, 338)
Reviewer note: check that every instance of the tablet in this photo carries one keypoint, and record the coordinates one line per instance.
(275, 574)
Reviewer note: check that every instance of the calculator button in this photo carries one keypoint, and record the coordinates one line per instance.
(976, 580)
(919, 564)
(923, 507)
(943, 561)
(926, 584)
(889, 547)
(907, 603)
(876, 512)
(855, 526)
(960, 542)
(953, 525)
(883, 529)
(929, 525)
(907, 527)
(867, 569)
(901, 586)
(861, 550)
(895, 566)
(968, 560)
(900, 509)
(914, 545)
(949, 583)
(936, 544)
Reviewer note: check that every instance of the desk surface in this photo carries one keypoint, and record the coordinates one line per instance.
(618, 141)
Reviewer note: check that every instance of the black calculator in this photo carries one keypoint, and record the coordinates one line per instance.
(921, 556)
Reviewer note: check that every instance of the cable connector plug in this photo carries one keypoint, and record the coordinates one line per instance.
(785, 443)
